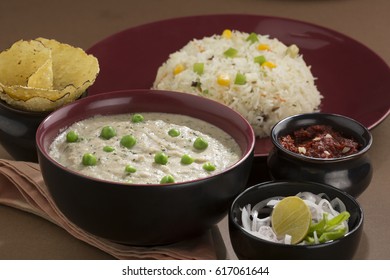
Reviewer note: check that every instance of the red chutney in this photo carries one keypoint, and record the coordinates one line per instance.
(319, 141)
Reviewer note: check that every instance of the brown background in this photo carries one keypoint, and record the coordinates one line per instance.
(83, 23)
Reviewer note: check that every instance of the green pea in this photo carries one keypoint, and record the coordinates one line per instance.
(173, 132)
(130, 169)
(72, 136)
(108, 149)
(128, 141)
(186, 159)
(89, 159)
(107, 132)
(168, 179)
(136, 118)
(208, 166)
(200, 144)
(161, 158)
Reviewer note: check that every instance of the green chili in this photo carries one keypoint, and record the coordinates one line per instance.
(332, 235)
(326, 229)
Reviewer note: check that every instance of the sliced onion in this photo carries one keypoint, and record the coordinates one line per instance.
(245, 218)
(262, 228)
(338, 204)
(262, 204)
(254, 220)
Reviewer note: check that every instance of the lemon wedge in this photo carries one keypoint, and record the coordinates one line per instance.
(291, 216)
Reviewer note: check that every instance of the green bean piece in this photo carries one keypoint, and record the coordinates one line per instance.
(198, 68)
(240, 79)
(108, 149)
(260, 59)
(130, 169)
(161, 158)
(168, 179)
(200, 144)
(252, 38)
(173, 132)
(107, 132)
(89, 159)
(230, 52)
(208, 166)
(128, 141)
(186, 159)
(136, 118)
(72, 137)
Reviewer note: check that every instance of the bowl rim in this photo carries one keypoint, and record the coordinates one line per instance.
(26, 113)
(318, 116)
(39, 114)
(287, 182)
(118, 93)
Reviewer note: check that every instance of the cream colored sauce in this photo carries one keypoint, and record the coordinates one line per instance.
(152, 137)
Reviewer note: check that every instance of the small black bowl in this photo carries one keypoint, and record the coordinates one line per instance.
(352, 173)
(247, 246)
(18, 129)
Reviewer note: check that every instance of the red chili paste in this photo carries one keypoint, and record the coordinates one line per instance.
(319, 141)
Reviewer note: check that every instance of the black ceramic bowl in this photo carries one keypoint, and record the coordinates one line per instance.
(17, 132)
(247, 246)
(145, 214)
(18, 129)
(350, 173)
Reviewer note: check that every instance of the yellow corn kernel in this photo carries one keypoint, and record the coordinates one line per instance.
(263, 47)
(227, 34)
(223, 80)
(179, 68)
(269, 64)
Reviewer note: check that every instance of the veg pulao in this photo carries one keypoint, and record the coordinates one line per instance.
(258, 76)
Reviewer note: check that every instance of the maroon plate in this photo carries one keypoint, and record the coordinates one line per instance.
(354, 81)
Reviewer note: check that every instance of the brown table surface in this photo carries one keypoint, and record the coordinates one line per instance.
(83, 23)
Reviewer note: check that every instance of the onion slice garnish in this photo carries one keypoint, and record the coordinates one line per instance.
(256, 220)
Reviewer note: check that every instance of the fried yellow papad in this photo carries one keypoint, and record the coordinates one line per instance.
(43, 74)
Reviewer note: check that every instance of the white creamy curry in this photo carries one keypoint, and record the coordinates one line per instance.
(145, 148)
